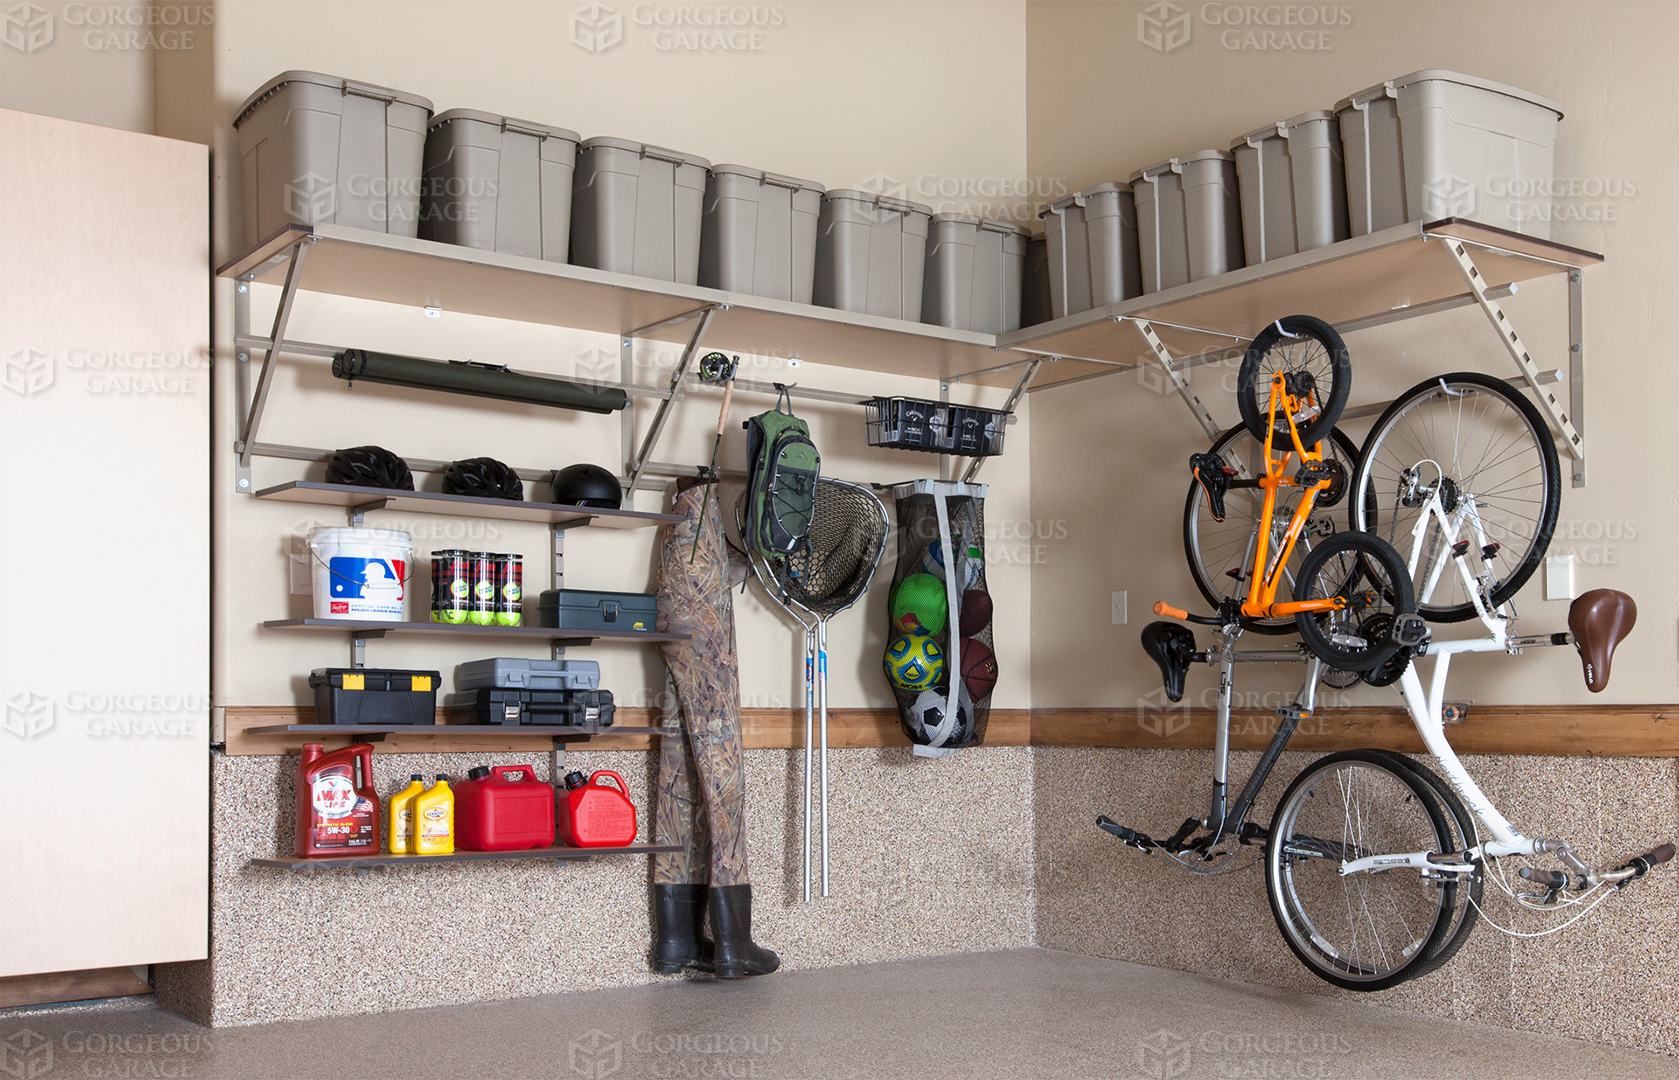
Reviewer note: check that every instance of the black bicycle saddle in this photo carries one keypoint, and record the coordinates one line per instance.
(1171, 644)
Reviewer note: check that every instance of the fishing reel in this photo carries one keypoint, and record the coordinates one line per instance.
(717, 369)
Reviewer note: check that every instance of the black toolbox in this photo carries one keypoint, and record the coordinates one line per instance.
(587, 609)
(566, 708)
(374, 696)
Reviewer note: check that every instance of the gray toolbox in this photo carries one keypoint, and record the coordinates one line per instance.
(1034, 292)
(1293, 185)
(973, 273)
(498, 184)
(319, 149)
(1091, 245)
(635, 209)
(871, 252)
(1189, 219)
(570, 708)
(588, 609)
(1429, 145)
(758, 233)
(518, 673)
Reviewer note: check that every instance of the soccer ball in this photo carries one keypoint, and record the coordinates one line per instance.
(914, 662)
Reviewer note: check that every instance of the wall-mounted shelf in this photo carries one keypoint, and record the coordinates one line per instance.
(360, 500)
(363, 863)
(377, 732)
(368, 628)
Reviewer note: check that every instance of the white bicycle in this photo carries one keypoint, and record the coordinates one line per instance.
(1376, 864)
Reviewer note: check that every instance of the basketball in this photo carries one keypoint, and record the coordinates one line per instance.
(979, 669)
(976, 611)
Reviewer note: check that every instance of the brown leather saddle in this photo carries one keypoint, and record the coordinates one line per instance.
(1600, 620)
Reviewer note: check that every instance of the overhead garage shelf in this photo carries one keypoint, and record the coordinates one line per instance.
(424, 273)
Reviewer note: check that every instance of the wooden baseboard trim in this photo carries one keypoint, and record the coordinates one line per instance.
(51, 987)
(1548, 730)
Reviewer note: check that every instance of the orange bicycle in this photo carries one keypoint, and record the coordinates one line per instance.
(1352, 601)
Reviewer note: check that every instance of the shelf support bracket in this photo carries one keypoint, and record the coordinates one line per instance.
(559, 583)
(277, 340)
(1560, 420)
(1015, 395)
(1163, 357)
(1577, 368)
(639, 464)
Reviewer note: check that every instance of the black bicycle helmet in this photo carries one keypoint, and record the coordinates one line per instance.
(369, 466)
(484, 478)
(587, 485)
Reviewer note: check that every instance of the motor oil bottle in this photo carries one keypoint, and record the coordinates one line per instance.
(337, 808)
(593, 814)
(402, 816)
(434, 819)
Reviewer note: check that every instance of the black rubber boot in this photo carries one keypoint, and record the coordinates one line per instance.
(678, 915)
(731, 925)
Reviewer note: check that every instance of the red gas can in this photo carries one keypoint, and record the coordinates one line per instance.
(337, 812)
(593, 814)
(503, 809)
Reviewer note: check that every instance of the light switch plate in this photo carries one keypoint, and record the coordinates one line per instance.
(1559, 577)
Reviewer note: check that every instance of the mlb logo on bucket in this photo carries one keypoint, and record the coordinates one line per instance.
(366, 579)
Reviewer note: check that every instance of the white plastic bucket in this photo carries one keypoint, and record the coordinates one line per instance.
(360, 573)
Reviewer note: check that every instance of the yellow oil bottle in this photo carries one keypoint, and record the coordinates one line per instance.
(434, 819)
(402, 815)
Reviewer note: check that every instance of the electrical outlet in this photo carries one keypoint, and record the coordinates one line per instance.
(1559, 577)
(1119, 617)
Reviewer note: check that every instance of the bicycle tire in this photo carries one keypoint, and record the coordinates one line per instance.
(1520, 478)
(1368, 556)
(1330, 361)
(1312, 943)
(1465, 904)
(1200, 551)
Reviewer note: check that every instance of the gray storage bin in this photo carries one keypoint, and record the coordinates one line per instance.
(1189, 219)
(518, 673)
(973, 272)
(1294, 194)
(635, 209)
(1034, 294)
(758, 233)
(1092, 249)
(1425, 146)
(871, 253)
(498, 184)
(318, 149)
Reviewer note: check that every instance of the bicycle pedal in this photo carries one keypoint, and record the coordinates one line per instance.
(1410, 630)
(1294, 711)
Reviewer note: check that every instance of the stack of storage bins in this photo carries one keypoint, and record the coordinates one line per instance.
(498, 184)
(871, 253)
(323, 150)
(758, 233)
(636, 209)
(973, 275)
(1425, 146)
(1294, 194)
(1091, 246)
(1189, 219)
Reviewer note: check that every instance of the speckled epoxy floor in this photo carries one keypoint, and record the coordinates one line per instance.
(1029, 1013)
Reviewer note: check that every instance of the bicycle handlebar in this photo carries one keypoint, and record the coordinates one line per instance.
(1161, 607)
(1644, 863)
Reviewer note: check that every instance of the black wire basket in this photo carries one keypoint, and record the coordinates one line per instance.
(907, 423)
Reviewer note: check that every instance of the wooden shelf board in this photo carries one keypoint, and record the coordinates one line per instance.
(424, 273)
(1366, 276)
(575, 731)
(539, 633)
(368, 862)
(381, 500)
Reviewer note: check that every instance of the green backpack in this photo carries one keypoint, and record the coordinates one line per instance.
(781, 486)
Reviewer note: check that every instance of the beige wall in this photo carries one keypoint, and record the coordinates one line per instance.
(1102, 104)
(839, 93)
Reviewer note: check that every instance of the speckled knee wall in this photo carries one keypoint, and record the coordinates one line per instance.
(702, 788)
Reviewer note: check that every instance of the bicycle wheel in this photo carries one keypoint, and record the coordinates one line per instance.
(1369, 930)
(1474, 437)
(1220, 553)
(1461, 893)
(1366, 572)
(1311, 354)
